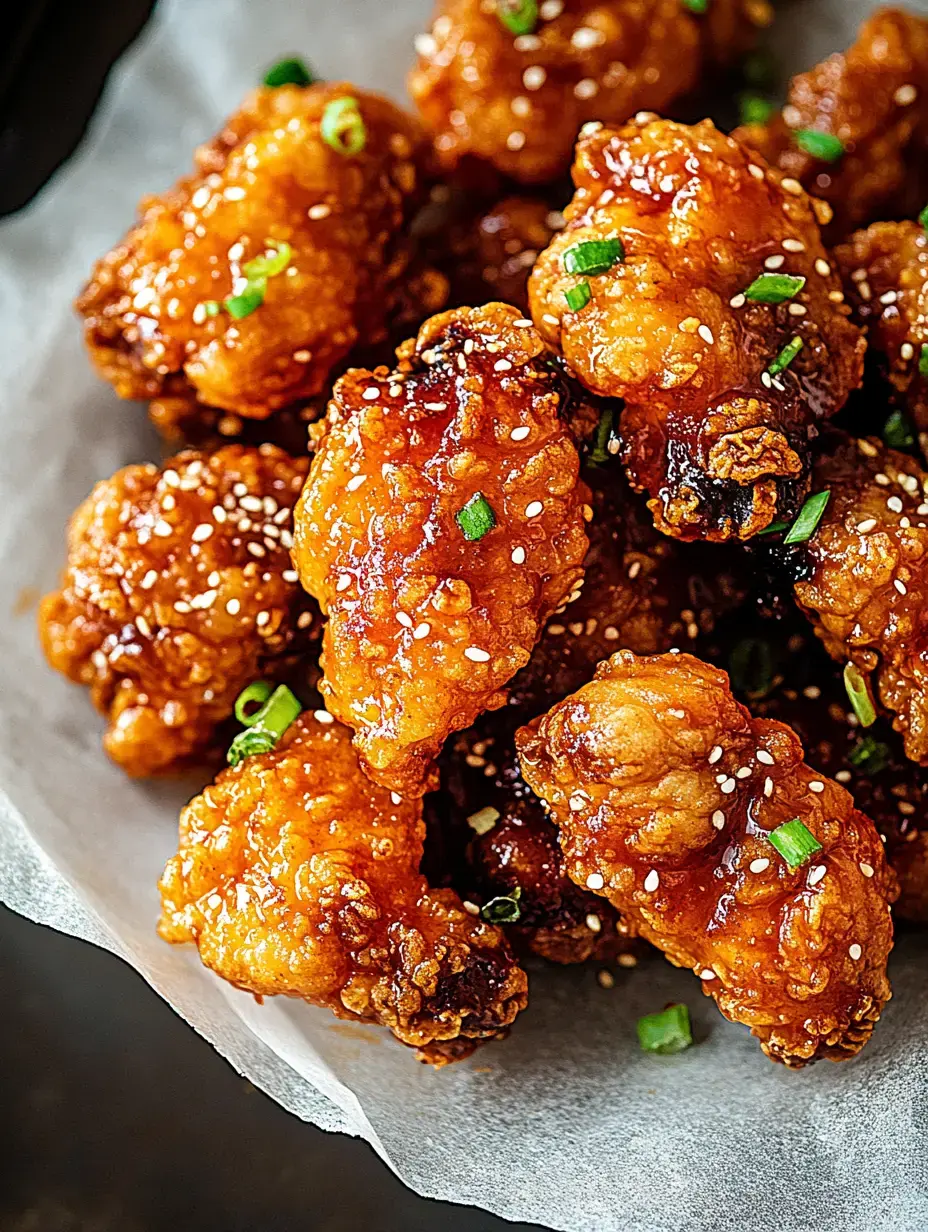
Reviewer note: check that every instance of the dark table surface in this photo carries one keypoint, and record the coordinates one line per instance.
(114, 1115)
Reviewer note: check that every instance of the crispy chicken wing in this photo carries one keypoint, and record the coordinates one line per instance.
(874, 99)
(181, 295)
(863, 577)
(441, 524)
(515, 92)
(296, 875)
(666, 791)
(178, 591)
(885, 272)
(705, 301)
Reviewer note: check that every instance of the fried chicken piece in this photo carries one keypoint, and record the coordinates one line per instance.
(885, 272)
(874, 99)
(332, 225)
(682, 223)
(297, 876)
(179, 591)
(518, 99)
(863, 577)
(665, 791)
(441, 524)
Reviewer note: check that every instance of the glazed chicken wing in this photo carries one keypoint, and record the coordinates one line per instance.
(442, 522)
(296, 875)
(885, 272)
(255, 276)
(855, 128)
(863, 577)
(691, 281)
(178, 591)
(666, 793)
(511, 84)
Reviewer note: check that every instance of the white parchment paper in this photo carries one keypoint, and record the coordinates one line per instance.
(567, 1123)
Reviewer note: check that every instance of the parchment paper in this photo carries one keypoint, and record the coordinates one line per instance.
(567, 1123)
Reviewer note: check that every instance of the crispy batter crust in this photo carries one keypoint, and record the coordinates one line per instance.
(885, 272)
(720, 446)
(178, 592)
(874, 98)
(518, 101)
(296, 875)
(658, 780)
(266, 179)
(424, 626)
(864, 581)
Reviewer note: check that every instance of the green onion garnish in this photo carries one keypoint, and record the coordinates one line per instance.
(870, 755)
(578, 297)
(923, 218)
(795, 842)
(858, 694)
(518, 16)
(824, 146)
(274, 261)
(897, 431)
(504, 909)
(786, 356)
(212, 307)
(291, 72)
(477, 518)
(264, 727)
(343, 128)
(255, 695)
(773, 529)
(594, 256)
(600, 450)
(774, 288)
(923, 360)
(666, 1032)
(751, 667)
(809, 517)
(244, 304)
(755, 109)
(696, 6)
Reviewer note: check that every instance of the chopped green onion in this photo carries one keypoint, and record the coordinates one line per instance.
(518, 16)
(773, 529)
(795, 842)
(578, 297)
(212, 307)
(666, 1032)
(292, 72)
(244, 304)
(483, 821)
(343, 128)
(504, 909)
(274, 261)
(809, 517)
(824, 146)
(870, 755)
(477, 518)
(266, 726)
(696, 6)
(897, 431)
(858, 693)
(923, 218)
(755, 109)
(751, 667)
(786, 356)
(600, 450)
(256, 695)
(923, 360)
(774, 288)
(594, 256)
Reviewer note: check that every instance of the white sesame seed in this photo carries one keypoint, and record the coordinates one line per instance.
(760, 865)
(714, 754)
(843, 776)
(757, 172)
(262, 619)
(233, 607)
(797, 310)
(202, 532)
(605, 978)
(316, 212)
(251, 503)
(817, 786)
(791, 245)
(764, 757)
(534, 77)
(737, 301)
(290, 575)
(437, 406)
(163, 529)
(404, 620)
(768, 787)
(652, 881)
(149, 579)
(774, 262)
(519, 434)
(585, 37)
(817, 874)
(182, 607)
(586, 88)
(905, 95)
(888, 297)
(634, 569)
(707, 974)
(866, 869)
(729, 786)
(515, 140)
(822, 267)
(855, 951)
(743, 772)
(595, 881)
(549, 319)
(791, 186)
(371, 394)
(256, 549)
(518, 556)
(895, 504)
(355, 482)
(706, 334)
(866, 525)
(323, 716)
(533, 509)
(476, 655)
(900, 586)
(766, 380)
(396, 798)
(718, 819)
(594, 923)
(422, 630)
(577, 802)
(343, 582)
(527, 42)
(502, 365)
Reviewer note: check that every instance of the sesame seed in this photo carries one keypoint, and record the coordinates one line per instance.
(395, 797)
(476, 655)
(251, 503)
(594, 923)
(677, 714)
(634, 569)
(470, 908)
(900, 586)
(404, 620)
(421, 630)
(895, 504)
(866, 869)
(907, 351)
(729, 786)
(652, 881)
(162, 529)
(836, 297)
(585, 37)
(797, 310)
(519, 434)
(757, 172)
(261, 619)
(502, 365)
(760, 865)
(888, 297)
(714, 754)
(219, 514)
(881, 479)
(256, 549)
(518, 556)
(812, 691)
(202, 532)
(371, 394)
(706, 334)
(595, 881)
(355, 482)
(586, 88)
(233, 607)
(822, 267)
(737, 301)
(182, 607)
(766, 380)
(791, 186)
(817, 786)
(855, 951)
(866, 525)
(768, 787)
(743, 772)
(843, 776)
(707, 974)
(551, 9)
(323, 716)
(817, 874)
(605, 978)
(315, 212)
(527, 42)
(534, 77)
(343, 582)
(290, 575)
(515, 140)
(149, 579)
(576, 802)
(790, 245)
(533, 509)
(774, 262)
(905, 95)
(764, 757)
(436, 406)
(718, 819)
